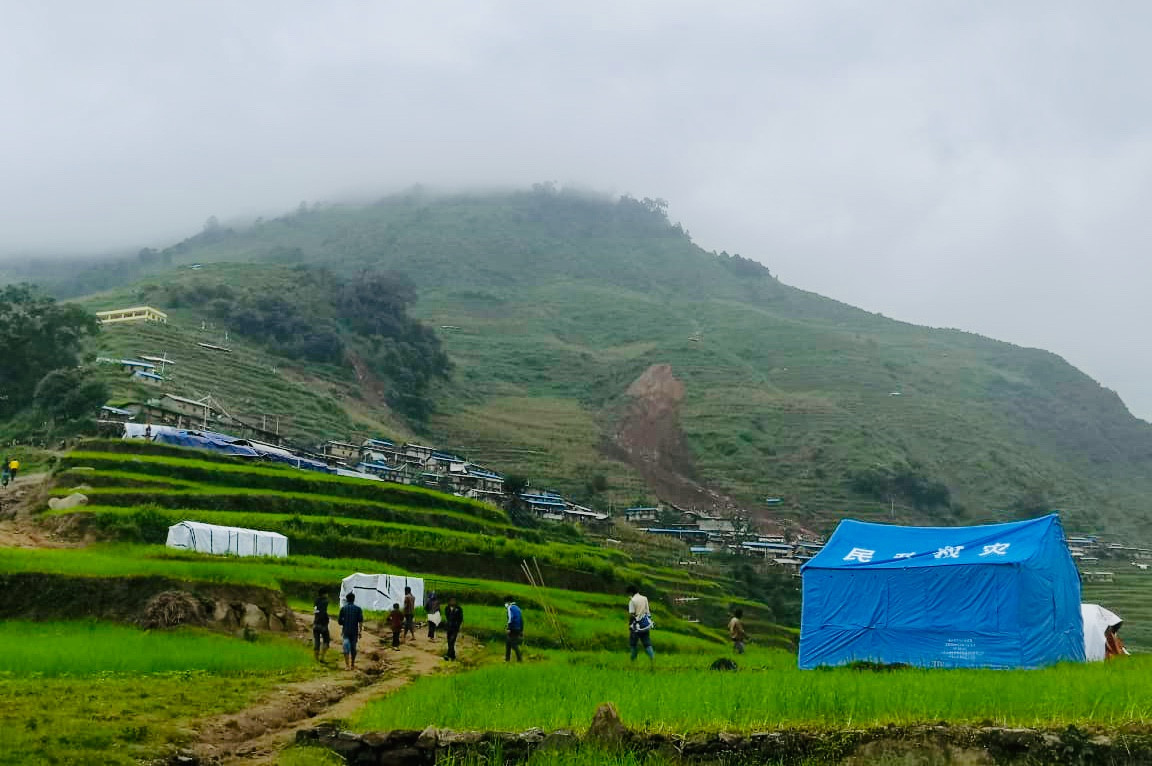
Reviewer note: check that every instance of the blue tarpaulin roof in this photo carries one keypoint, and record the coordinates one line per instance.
(204, 440)
(999, 595)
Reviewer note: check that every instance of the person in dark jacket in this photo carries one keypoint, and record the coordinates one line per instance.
(351, 621)
(396, 623)
(321, 638)
(453, 619)
(515, 630)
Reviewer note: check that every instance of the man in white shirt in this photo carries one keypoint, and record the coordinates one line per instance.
(639, 624)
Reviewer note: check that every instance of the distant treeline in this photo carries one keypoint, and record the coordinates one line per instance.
(311, 314)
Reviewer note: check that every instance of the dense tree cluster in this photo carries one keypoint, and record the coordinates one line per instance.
(906, 482)
(38, 336)
(743, 267)
(317, 316)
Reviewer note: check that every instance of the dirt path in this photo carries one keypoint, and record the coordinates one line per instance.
(256, 734)
(18, 527)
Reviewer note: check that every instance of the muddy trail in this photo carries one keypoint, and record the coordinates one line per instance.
(256, 734)
(19, 527)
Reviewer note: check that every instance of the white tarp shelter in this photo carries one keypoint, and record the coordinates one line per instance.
(210, 538)
(378, 592)
(1097, 619)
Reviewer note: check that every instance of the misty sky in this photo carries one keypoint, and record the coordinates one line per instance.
(970, 164)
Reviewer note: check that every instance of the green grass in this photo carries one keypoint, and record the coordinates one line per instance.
(122, 560)
(767, 693)
(1130, 596)
(190, 466)
(113, 719)
(95, 693)
(85, 648)
(342, 536)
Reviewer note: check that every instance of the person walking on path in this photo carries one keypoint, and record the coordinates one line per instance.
(453, 619)
(396, 623)
(13, 468)
(409, 613)
(639, 624)
(432, 610)
(736, 630)
(351, 620)
(5, 477)
(515, 630)
(321, 638)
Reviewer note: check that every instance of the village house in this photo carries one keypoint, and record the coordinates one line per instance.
(546, 505)
(335, 450)
(379, 451)
(135, 314)
(137, 365)
(114, 414)
(768, 550)
(200, 412)
(703, 521)
(641, 514)
(694, 536)
(147, 378)
(583, 515)
(416, 454)
(444, 462)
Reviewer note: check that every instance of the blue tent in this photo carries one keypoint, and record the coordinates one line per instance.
(994, 596)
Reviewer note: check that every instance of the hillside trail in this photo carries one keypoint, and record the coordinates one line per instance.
(18, 526)
(257, 734)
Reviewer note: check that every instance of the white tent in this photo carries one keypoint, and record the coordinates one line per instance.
(1097, 619)
(210, 538)
(378, 592)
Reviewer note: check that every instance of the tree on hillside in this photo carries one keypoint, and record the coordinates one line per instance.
(68, 395)
(317, 316)
(37, 335)
(514, 486)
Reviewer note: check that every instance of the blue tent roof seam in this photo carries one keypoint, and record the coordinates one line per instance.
(991, 596)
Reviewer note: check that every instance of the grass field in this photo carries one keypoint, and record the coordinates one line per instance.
(83, 648)
(137, 489)
(1130, 596)
(588, 620)
(681, 694)
(94, 693)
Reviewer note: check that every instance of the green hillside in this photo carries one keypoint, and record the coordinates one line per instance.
(136, 490)
(551, 305)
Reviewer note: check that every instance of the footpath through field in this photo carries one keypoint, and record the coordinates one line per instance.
(18, 528)
(256, 734)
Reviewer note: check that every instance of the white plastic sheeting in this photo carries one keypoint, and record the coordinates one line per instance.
(1097, 619)
(210, 538)
(378, 592)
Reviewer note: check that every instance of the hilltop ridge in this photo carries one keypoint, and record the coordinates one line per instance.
(551, 305)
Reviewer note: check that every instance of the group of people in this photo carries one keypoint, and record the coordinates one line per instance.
(8, 470)
(401, 622)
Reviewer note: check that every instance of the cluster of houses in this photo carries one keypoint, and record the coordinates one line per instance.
(410, 463)
(708, 534)
(182, 412)
(1089, 551)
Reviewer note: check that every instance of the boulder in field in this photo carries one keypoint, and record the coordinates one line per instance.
(75, 500)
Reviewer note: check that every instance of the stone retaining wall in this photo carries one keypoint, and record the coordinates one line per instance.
(906, 745)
